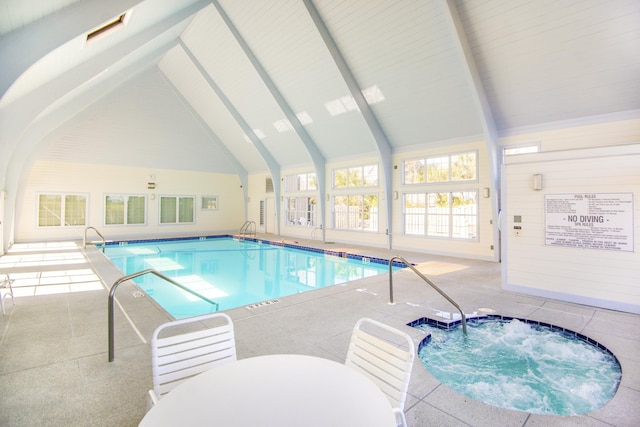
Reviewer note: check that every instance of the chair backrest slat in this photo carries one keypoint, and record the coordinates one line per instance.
(387, 362)
(181, 356)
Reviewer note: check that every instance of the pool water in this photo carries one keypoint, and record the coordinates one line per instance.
(522, 366)
(233, 273)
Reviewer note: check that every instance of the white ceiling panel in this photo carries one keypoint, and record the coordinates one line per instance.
(548, 61)
(539, 62)
(142, 123)
(405, 50)
(195, 89)
(212, 43)
(284, 39)
(15, 14)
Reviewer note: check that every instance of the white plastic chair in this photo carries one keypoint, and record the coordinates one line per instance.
(178, 357)
(6, 289)
(385, 355)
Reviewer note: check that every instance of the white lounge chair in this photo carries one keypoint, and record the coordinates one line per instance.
(196, 348)
(385, 355)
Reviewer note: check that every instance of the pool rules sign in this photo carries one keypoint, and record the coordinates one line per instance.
(589, 221)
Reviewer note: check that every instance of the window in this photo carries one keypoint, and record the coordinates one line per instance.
(122, 209)
(441, 214)
(300, 182)
(177, 209)
(447, 168)
(209, 203)
(533, 147)
(301, 211)
(61, 210)
(354, 177)
(356, 212)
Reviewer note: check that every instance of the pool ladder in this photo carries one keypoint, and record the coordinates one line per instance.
(429, 282)
(247, 229)
(112, 293)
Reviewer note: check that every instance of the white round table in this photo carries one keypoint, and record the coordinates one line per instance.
(276, 390)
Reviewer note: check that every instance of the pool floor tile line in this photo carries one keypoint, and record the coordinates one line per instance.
(53, 348)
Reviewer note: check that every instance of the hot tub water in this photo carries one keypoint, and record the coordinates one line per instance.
(517, 365)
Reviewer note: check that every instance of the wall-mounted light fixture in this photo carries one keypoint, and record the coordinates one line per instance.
(486, 192)
(537, 182)
(151, 185)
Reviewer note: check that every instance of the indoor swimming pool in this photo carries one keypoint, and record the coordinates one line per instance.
(234, 273)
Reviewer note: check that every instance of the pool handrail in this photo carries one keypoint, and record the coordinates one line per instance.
(133, 276)
(249, 227)
(313, 232)
(84, 239)
(429, 282)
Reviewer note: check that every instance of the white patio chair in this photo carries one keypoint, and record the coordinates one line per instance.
(6, 289)
(385, 355)
(195, 349)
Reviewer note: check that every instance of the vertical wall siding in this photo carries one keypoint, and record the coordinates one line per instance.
(605, 278)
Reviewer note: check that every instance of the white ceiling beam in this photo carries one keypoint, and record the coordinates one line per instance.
(484, 111)
(22, 48)
(272, 164)
(23, 111)
(45, 126)
(240, 170)
(312, 149)
(381, 140)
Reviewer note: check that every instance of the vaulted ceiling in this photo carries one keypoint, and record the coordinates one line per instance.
(256, 86)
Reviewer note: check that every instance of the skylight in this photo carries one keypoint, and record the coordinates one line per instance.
(108, 28)
(304, 118)
(372, 95)
(256, 132)
(285, 125)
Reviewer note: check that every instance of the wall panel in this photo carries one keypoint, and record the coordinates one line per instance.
(604, 278)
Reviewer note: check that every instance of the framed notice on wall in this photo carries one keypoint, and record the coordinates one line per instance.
(590, 221)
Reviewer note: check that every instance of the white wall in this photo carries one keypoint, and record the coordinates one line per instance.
(604, 278)
(98, 180)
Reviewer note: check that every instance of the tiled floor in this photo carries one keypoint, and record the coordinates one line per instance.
(53, 347)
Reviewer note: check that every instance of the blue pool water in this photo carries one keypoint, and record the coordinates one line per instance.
(518, 365)
(234, 273)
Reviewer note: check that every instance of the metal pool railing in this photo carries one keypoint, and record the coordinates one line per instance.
(133, 276)
(429, 282)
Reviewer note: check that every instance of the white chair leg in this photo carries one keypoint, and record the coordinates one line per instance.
(401, 420)
(152, 399)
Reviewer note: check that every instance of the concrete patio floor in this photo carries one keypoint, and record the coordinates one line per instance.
(53, 344)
